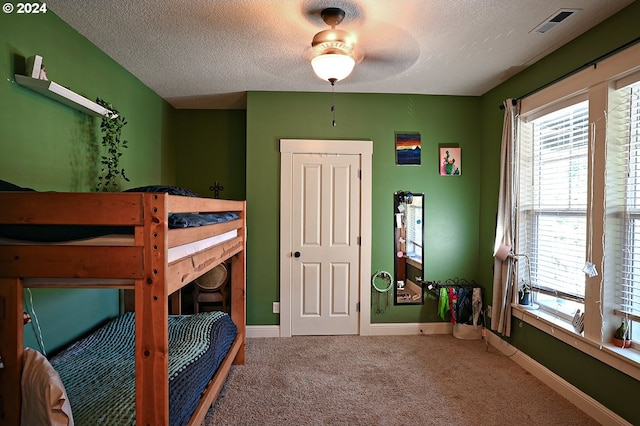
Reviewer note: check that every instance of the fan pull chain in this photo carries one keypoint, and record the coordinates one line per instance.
(333, 102)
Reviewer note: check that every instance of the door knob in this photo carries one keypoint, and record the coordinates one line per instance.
(296, 254)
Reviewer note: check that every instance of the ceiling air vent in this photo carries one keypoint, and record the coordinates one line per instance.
(554, 20)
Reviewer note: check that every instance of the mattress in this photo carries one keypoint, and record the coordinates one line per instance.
(98, 371)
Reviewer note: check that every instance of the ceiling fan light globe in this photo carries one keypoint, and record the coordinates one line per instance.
(333, 66)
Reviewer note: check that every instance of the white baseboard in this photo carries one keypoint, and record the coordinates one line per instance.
(382, 329)
(395, 329)
(263, 331)
(574, 395)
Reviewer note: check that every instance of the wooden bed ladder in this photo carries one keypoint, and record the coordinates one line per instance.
(11, 338)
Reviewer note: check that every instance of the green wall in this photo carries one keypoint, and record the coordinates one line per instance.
(211, 147)
(451, 203)
(600, 381)
(48, 146)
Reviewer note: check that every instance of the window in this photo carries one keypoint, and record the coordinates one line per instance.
(623, 202)
(577, 206)
(553, 204)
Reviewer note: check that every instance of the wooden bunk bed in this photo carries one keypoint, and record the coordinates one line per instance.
(142, 266)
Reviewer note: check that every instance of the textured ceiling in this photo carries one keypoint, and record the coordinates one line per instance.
(208, 54)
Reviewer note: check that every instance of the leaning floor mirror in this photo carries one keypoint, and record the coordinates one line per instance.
(408, 236)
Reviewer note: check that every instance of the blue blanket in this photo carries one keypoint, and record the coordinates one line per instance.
(188, 220)
(98, 371)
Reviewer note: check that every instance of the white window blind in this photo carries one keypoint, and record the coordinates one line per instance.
(622, 226)
(552, 200)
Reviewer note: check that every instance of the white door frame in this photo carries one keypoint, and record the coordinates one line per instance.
(289, 147)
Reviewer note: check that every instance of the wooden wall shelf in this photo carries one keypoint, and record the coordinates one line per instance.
(63, 95)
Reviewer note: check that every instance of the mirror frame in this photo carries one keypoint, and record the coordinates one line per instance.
(406, 290)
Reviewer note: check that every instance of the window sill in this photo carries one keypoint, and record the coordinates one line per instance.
(416, 262)
(625, 360)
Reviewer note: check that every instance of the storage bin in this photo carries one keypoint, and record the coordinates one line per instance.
(467, 332)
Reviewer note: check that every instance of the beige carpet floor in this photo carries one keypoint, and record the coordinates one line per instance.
(385, 380)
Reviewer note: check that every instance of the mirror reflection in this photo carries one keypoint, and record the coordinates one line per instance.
(408, 219)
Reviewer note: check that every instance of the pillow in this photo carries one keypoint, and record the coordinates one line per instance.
(44, 399)
(172, 190)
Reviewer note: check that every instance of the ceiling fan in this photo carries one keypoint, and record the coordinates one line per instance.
(334, 52)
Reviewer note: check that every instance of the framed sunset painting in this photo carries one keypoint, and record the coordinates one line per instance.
(408, 148)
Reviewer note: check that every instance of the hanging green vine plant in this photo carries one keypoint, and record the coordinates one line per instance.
(111, 172)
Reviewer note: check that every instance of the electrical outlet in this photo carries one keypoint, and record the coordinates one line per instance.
(489, 308)
(276, 307)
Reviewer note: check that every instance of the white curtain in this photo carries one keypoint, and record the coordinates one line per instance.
(503, 270)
